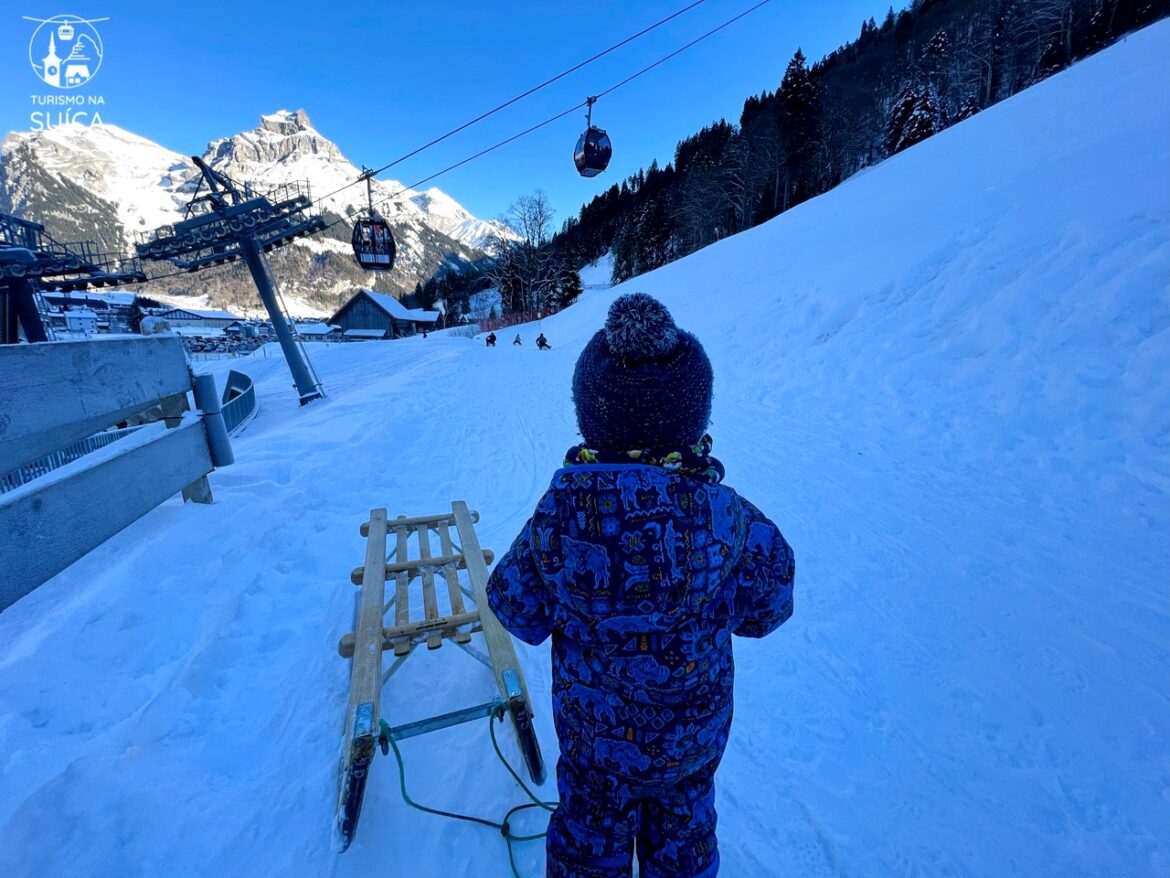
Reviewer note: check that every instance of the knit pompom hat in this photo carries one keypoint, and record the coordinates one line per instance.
(642, 382)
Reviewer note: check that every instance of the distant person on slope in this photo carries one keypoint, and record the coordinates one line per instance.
(491, 340)
(542, 343)
(516, 340)
(641, 566)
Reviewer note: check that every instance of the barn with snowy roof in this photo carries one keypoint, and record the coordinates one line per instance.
(368, 310)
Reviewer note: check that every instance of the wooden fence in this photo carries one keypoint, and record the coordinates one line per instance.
(55, 394)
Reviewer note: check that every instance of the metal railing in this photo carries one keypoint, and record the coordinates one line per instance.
(239, 401)
(22, 475)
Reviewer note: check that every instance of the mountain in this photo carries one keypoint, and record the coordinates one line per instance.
(107, 184)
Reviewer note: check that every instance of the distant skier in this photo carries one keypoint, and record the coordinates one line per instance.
(542, 343)
(424, 333)
(516, 341)
(491, 340)
(641, 566)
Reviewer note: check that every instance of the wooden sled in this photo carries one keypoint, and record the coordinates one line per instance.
(365, 729)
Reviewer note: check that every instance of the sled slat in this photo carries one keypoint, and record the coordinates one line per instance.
(430, 603)
(365, 679)
(454, 592)
(415, 521)
(402, 588)
(412, 629)
(395, 567)
(499, 642)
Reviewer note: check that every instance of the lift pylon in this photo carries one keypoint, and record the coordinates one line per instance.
(31, 261)
(230, 222)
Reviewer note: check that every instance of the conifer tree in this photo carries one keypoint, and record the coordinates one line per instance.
(799, 127)
(915, 116)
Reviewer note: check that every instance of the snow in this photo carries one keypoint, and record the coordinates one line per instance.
(452, 219)
(948, 380)
(396, 309)
(306, 155)
(480, 305)
(205, 314)
(598, 274)
(141, 178)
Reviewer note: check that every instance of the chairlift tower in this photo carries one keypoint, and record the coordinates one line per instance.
(227, 224)
(31, 261)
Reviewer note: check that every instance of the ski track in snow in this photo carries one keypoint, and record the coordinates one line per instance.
(947, 381)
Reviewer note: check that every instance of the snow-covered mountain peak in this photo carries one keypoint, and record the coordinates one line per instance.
(439, 203)
(453, 218)
(286, 122)
(281, 137)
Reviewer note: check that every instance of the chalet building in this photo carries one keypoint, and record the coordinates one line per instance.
(111, 310)
(368, 310)
(191, 318)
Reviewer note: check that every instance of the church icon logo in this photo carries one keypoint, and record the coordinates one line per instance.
(66, 50)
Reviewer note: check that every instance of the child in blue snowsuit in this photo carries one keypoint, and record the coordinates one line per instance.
(641, 566)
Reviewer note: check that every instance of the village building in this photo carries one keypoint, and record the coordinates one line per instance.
(368, 310)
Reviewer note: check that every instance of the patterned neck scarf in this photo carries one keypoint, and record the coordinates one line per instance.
(695, 462)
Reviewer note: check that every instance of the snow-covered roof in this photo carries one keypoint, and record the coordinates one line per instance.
(100, 299)
(314, 328)
(202, 314)
(397, 310)
(365, 333)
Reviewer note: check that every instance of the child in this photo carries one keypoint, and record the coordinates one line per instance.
(641, 566)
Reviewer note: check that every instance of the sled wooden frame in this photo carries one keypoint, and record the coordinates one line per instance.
(365, 729)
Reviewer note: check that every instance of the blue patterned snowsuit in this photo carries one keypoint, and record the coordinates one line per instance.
(641, 576)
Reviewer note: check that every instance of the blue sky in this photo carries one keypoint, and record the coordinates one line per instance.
(380, 79)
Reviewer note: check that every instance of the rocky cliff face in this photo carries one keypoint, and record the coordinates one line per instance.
(106, 184)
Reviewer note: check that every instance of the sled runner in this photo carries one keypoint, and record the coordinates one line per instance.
(365, 728)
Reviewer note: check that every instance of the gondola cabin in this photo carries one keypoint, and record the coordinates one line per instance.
(593, 152)
(373, 244)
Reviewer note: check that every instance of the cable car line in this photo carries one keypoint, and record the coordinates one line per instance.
(682, 49)
(563, 113)
(470, 158)
(367, 246)
(517, 98)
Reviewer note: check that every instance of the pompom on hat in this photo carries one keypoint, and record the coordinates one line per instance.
(642, 382)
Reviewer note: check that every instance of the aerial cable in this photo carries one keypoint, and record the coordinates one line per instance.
(564, 113)
(516, 99)
(681, 49)
(535, 127)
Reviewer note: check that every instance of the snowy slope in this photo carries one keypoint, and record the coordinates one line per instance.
(948, 380)
(598, 274)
